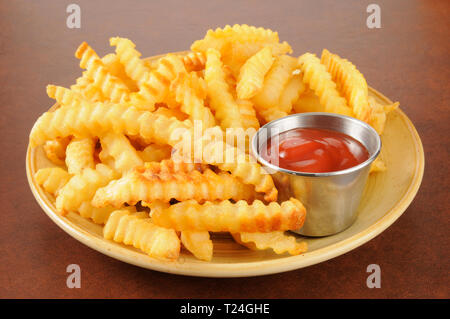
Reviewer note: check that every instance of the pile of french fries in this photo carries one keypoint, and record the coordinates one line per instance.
(114, 139)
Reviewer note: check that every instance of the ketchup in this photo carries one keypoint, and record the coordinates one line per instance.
(314, 150)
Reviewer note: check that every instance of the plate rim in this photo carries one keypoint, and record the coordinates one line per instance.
(244, 269)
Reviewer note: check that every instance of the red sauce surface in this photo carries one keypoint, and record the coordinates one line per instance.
(314, 150)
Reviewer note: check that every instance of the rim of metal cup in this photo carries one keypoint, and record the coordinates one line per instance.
(276, 122)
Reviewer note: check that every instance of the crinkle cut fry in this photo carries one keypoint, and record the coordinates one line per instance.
(142, 184)
(130, 59)
(277, 240)
(120, 149)
(190, 91)
(82, 187)
(194, 61)
(55, 150)
(221, 100)
(87, 119)
(155, 153)
(52, 179)
(156, 88)
(116, 68)
(228, 217)
(241, 166)
(275, 82)
(111, 86)
(80, 154)
(251, 75)
(139, 231)
(171, 166)
(319, 80)
(350, 82)
(198, 243)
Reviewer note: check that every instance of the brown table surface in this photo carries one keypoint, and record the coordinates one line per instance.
(407, 59)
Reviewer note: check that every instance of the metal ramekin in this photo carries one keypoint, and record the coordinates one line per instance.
(331, 199)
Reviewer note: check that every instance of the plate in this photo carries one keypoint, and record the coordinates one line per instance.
(385, 198)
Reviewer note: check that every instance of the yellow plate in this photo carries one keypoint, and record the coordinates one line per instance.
(386, 197)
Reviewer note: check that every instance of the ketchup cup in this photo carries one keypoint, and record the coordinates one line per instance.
(331, 198)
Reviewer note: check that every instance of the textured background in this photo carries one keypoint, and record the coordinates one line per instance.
(407, 59)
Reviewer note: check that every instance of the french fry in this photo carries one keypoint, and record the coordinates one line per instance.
(82, 187)
(350, 82)
(111, 86)
(278, 241)
(248, 114)
(52, 179)
(221, 100)
(85, 88)
(251, 75)
(172, 112)
(120, 149)
(274, 84)
(114, 67)
(79, 155)
(55, 150)
(228, 217)
(194, 61)
(139, 231)
(379, 113)
(156, 88)
(98, 215)
(377, 166)
(294, 88)
(142, 184)
(308, 102)
(269, 115)
(190, 91)
(319, 80)
(134, 67)
(155, 153)
(198, 243)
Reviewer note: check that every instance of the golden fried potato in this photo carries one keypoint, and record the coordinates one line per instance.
(111, 86)
(82, 187)
(277, 240)
(55, 150)
(125, 157)
(52, 179)
(251, 75)
(190, 92)
(308, 102)
(378, 114)
(143, 184)
(221, 100)
(274, 83)
(80, 154)
(319, 80)
(198, 243)
(155, 153)
(139, 231)
(116, 68)
(350, 82)
(228, 217)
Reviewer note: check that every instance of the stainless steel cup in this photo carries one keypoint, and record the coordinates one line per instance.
(331, 199)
